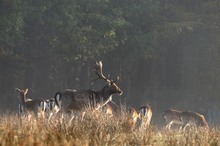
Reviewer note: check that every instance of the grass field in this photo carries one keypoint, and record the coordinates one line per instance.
(96, 129)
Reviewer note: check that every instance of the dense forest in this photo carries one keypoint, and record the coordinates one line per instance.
(166, 52)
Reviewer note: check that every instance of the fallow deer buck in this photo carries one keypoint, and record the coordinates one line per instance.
(79, 99)
(27, 105)
(145, 115)
(184, 119)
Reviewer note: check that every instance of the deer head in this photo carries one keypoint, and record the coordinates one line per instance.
(111, 85)
(22, 94)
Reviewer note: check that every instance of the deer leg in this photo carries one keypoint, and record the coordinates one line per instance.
(36, 114)
(195, 127)
(148, 122)
(181, 127)
(169, 125)
(83, 114)
(184, 129)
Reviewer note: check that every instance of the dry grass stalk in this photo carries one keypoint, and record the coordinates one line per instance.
(96, 128)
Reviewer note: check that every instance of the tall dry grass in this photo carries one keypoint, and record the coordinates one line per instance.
(96, 128)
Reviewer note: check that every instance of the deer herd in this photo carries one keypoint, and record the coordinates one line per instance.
(71, 101)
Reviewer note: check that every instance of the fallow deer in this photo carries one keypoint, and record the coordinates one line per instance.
(145, 114)
(133, 117)
(27, 105)
(79, 99)
(184, 119)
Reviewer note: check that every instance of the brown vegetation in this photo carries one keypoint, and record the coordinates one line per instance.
(96, 128)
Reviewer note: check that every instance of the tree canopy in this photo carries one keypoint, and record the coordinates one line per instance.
(163, 50)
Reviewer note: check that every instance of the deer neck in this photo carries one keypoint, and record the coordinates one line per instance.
(105, 93)
(23, 98)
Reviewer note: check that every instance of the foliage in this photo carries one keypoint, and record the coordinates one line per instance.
(158, 48)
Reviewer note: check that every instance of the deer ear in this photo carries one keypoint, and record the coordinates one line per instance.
(17, 89)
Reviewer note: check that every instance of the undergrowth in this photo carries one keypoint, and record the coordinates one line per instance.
(96, 128)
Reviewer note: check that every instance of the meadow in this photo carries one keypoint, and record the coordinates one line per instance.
(96, 128)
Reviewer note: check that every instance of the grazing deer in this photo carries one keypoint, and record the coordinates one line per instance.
(171, 117)
(145, 115)
(190, 118)
(53, 105)
(184, 119)
(79, 99)
(27, 105)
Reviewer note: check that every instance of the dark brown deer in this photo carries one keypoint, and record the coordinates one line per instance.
(26, 105)
(79, 99)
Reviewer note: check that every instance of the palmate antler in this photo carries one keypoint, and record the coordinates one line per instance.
(98, 71)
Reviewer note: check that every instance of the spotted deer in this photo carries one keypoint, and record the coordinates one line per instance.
(145, 115)
(27, 106)
(184, 119)
(79, 99)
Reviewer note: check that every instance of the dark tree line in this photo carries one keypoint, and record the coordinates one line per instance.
(165, 51)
